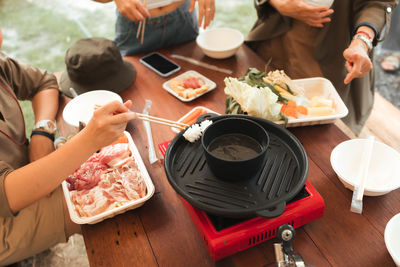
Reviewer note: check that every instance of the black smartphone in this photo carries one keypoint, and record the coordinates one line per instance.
(160, 64)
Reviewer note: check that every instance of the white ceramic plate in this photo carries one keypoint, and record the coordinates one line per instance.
(81, 108)
(319, 87)
(118, 210)
(176, 130)
(383, 172)
(210, 83)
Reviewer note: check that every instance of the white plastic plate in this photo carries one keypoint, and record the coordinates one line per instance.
(124, 207)
(319, 87)
(211, 84)
(176, 130)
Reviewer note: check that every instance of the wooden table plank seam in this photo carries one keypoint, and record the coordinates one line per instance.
(149, 240)
(315, 244)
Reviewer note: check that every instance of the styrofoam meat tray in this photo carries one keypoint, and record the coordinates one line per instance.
(212, 85)
(124, 207)
(319, 87)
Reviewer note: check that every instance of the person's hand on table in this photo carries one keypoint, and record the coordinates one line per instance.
(358, 62)
(206, 11)
(297, 9)
(132, 9)
(109, 122)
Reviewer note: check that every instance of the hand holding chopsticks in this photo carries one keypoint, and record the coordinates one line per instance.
(149, 118)
(134, 10)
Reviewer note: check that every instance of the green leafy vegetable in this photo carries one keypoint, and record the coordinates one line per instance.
(232, 107)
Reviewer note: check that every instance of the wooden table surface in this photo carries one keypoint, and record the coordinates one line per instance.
(161, 233)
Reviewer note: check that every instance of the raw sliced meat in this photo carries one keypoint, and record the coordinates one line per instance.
(98, 186)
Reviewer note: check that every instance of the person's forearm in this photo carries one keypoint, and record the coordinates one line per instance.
(30, 183)
(45, 104)
(368, 32)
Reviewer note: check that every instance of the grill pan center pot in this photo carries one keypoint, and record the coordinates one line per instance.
(281, 177)
(235, 148)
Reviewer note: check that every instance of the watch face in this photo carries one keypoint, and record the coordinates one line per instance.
(46, 125)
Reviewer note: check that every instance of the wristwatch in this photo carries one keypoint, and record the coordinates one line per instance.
(367, 41)
(47, 126)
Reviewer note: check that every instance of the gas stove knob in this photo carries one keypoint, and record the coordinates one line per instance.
(286, 233)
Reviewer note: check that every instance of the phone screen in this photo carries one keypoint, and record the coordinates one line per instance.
(160, 63)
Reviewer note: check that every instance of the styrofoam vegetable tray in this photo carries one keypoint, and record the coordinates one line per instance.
(323, 88)
(124, 207)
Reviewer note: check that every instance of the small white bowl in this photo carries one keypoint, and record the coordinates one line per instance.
(384, 170)
(392, 238)
(220, 42)
(81, 108)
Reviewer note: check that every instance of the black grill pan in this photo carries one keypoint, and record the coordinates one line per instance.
(265, 194)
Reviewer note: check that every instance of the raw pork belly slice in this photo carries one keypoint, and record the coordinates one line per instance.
(89, 203)
(119, 182)
(111, 155)
(88, 174)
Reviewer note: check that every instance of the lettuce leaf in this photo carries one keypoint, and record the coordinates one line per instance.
(255, 100)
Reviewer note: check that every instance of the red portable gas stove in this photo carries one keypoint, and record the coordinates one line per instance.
(226, 236)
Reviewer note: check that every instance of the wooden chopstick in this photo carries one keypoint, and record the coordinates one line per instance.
(164, 123)
(175, 124)
(142, 25)
(138, 30)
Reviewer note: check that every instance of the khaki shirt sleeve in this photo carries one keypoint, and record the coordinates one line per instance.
(377, 13)
(25, 79)
(5, 210)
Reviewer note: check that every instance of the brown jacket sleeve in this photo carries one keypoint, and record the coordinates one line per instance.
(24, 79)
(5, 211)
(377, 13)
(270, 23)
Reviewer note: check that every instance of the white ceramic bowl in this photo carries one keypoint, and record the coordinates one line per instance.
(392, 238)
(384, 170)
(220, 42)
(81, 108)
(319, 2)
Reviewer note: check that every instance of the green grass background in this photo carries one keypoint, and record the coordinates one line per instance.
(38, 32)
